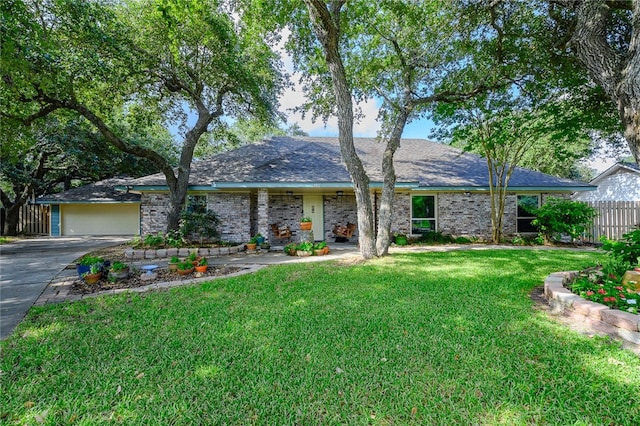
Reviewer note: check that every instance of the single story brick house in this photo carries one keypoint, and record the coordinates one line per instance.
(95, 209)
(281, 179)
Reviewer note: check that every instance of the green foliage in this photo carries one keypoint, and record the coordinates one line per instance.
(203, 261)
(119, 266)
(305, 246)
(174, 238)
(559, 216)
(626, 250)
(305, 219)
(88, 260)
(154, 240)
(605, 286)
(185, 265)
(174, 259)
(201, 226)
(436, 237)
(320, 245)
(290, 249)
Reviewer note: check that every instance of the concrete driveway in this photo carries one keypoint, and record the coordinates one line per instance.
(27, 266)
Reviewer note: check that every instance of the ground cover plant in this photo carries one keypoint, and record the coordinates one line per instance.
(420, 338)
(604, 283)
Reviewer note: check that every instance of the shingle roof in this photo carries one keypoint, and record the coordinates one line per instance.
(99, 192)
(303, 160)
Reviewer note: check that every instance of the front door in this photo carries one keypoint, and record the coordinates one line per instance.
(312, 207)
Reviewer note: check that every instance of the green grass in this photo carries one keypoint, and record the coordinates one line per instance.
(430, 338)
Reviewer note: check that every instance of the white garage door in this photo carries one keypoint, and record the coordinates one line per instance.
(100, 219)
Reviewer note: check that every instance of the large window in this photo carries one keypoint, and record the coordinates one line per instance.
(525, 203)
(423, 214)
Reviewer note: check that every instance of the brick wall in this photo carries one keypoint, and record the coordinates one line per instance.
(153, 212)
(232, 209)
(458, 214)
(339, 210)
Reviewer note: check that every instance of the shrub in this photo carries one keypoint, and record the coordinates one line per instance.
(154, 241)
(201, 226)
(558, 216)
(626, 250)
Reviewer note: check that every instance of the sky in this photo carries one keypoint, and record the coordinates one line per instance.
(420, 129)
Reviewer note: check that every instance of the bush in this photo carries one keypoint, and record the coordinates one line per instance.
(626, 250)
(558, 216)
(202, 226)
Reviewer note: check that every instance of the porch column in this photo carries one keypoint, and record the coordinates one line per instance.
(263, 212)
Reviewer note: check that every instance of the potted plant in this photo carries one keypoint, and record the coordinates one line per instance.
(202, 265)
(265, 245)
(305, 224)
(94, 274)
(84, 264)
(173, 263)
(252, 244)
(119, 270)
(185, 267)
(305, 248)
(290, 249)
(319, 248)
(259, 238)
(193, 258)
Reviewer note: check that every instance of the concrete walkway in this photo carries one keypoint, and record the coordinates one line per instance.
(27, 266)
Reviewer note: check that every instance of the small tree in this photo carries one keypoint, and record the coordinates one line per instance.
(558, 216)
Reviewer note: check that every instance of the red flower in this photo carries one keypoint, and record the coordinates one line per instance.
(590, 293)
(602, 291)
(619, 288)
(622, 296)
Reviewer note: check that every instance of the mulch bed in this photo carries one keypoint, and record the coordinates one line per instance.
(134, 280)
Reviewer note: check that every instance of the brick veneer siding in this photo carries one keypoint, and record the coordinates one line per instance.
(458, 214)
(339, 210)
(285, 210)
(232, 209)
(153, 212)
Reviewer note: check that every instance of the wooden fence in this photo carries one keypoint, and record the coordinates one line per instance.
(614, 219)
(34, 220)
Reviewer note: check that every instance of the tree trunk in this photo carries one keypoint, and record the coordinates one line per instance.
(326, 26)
(12, 216)
(618, 74)
(385, 214)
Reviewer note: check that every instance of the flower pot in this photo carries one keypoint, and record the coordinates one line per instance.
(120, 275)
(185, 271)
(303, 253)
(201, 268)
(326, 249)
(92, 278)
(306, 226)
(82, 269)
(259, 240)
(319, 252)
(252, 246)
(173, 266)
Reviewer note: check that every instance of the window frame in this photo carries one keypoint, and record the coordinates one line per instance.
(530, 228)
(432, 220)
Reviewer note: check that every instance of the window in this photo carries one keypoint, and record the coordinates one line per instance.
(197, 203)
(423, 214)
(524, 217)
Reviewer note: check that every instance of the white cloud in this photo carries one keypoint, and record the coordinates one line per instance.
(294, 97)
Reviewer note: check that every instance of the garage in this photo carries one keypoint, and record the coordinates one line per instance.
(100, 219)
(94, 209)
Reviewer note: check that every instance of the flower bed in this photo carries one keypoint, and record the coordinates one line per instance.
(606, 288)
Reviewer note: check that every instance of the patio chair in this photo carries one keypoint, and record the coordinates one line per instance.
(281, 232)
(343, 233)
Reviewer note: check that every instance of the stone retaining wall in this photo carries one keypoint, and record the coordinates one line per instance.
(626, 325)
(182, 252)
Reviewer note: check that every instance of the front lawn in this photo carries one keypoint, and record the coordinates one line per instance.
(428, 338)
